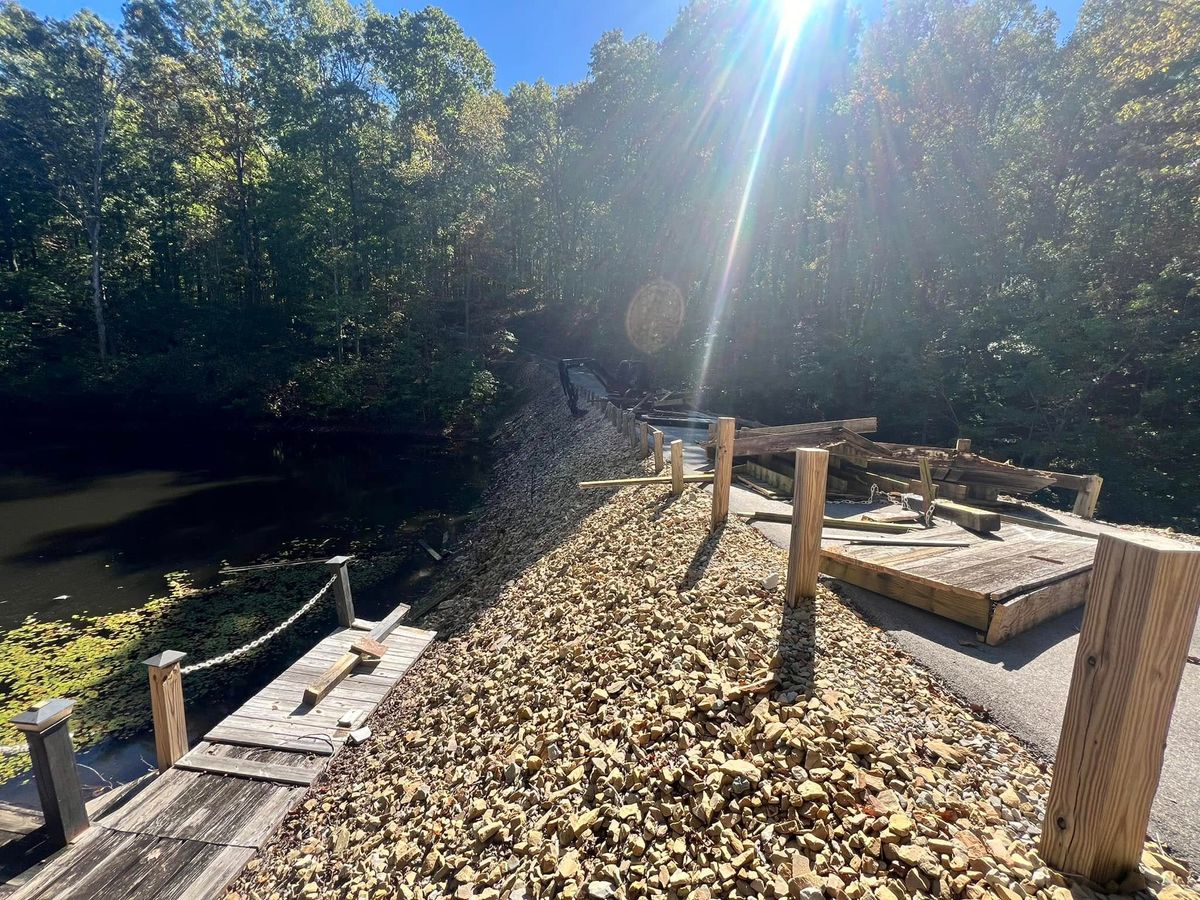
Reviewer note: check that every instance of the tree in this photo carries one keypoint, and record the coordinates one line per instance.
(66, 83)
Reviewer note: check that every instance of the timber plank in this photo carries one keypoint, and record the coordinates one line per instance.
(100, 855)
(970, 610)
(228, 734)
(1023, 612)
(192, 829)
(247, 768)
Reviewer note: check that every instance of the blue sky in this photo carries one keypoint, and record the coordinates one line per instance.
(531, 38)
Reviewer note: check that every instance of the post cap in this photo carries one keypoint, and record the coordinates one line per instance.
(42, 717)
(338, 560)
(164, 659)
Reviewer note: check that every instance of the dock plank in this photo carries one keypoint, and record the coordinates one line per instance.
(970, 584)
(188, 833)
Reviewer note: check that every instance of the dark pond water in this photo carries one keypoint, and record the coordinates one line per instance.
(92, 524)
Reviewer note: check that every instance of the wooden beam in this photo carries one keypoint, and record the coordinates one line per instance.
(1137, 626)
(166, 707)
(199, 761)
(865, 425)
(726, 427)
(894, 542)
(388, 623)
(927, 492)
(369, 648)
(677, 467)
(317, 691)
(967, 516)
(46, 730)
(830, 522)
(1087, 497)
(1047, 526)
(1025, 611)
(699, 478)
(659, 465)
(808, 513)
(645, 435)
(343, 599)
(920, 592)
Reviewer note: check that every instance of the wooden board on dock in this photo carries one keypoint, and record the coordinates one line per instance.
(1000, 583)
(193, 829)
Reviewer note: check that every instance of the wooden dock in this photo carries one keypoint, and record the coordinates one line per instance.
(1000, 583)
(192, 830)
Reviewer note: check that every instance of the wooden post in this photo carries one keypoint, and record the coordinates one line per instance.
(676, 467)
(645, 433)
(49, 739)
(808, 516)
(658, 451)
(926, 485)
(166, 706)
(342, 596)
(1085, 500)
(724, 470)
(962, 445)
(1137, 625)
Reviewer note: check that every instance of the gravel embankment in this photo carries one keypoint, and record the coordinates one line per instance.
(622, 707)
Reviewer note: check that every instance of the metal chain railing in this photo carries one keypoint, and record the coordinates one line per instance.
(262, 638)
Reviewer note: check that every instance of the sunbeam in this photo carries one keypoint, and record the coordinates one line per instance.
(790, 17)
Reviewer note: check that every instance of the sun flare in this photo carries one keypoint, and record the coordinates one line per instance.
(791, 16)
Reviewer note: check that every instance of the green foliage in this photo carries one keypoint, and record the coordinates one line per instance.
(955, 222)
(317, 211)
(246, 208)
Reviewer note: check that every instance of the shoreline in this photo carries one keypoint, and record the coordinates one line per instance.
(618, 704)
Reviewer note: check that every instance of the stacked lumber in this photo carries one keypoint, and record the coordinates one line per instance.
(857, 464)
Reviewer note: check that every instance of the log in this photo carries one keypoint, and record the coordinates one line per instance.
(967, 516)
(1133, 646)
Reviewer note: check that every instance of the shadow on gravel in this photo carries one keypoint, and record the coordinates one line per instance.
(797, 647)
(698, 565)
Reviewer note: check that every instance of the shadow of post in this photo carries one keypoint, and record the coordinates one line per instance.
(797, 651)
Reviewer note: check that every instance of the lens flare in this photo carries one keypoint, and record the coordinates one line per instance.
(790, 16)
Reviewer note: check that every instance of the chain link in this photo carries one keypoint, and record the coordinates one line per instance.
(263, 638)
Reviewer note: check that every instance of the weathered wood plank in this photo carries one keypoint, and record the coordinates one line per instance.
(244, 768)
(231, 734)
(1141, 612)
(1025, 611)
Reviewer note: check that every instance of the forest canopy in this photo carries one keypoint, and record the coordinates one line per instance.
(945, 216)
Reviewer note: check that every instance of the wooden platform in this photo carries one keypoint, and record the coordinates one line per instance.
(1000, 583)
(193, 829)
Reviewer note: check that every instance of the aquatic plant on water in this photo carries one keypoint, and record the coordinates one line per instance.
(97, 660)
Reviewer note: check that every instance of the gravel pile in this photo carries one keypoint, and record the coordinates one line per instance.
(624, 708)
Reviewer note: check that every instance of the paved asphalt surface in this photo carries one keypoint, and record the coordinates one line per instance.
(1023, 683)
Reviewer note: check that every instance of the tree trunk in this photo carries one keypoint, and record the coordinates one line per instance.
(98, 287)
